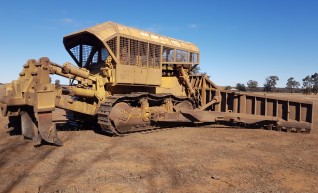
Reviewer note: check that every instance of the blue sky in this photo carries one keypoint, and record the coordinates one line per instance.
(239, 40)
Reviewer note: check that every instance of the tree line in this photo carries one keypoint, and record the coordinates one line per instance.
(309, 85)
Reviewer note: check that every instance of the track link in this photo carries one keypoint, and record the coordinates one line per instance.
(104, 112)
(106, 107)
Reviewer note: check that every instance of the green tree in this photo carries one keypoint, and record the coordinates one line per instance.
(252, 85)
(270, 83)
(228, 88)
(196, 70)
(291, 84)
(240, 87)
(314, 79)
(307, 84)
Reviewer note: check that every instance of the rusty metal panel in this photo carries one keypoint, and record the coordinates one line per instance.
(282, 109)
(289, 113)
(294, 111)
(260, 106)
(315, 115)
(271, 107)
(250, 105)
(243, 104)
(306, 112)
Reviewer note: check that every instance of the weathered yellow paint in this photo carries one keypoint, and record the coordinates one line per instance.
(171, 85)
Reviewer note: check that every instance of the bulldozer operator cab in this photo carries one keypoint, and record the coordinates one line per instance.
(87, 51)
(137, 57)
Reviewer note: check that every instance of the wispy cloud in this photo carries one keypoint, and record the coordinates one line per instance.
(193, 26)
(66, 21)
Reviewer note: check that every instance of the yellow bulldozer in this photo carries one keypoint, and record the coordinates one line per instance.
(128, 80)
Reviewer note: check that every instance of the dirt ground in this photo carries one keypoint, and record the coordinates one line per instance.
(205, 159)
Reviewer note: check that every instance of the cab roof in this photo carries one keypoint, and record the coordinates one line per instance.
(108, 30)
